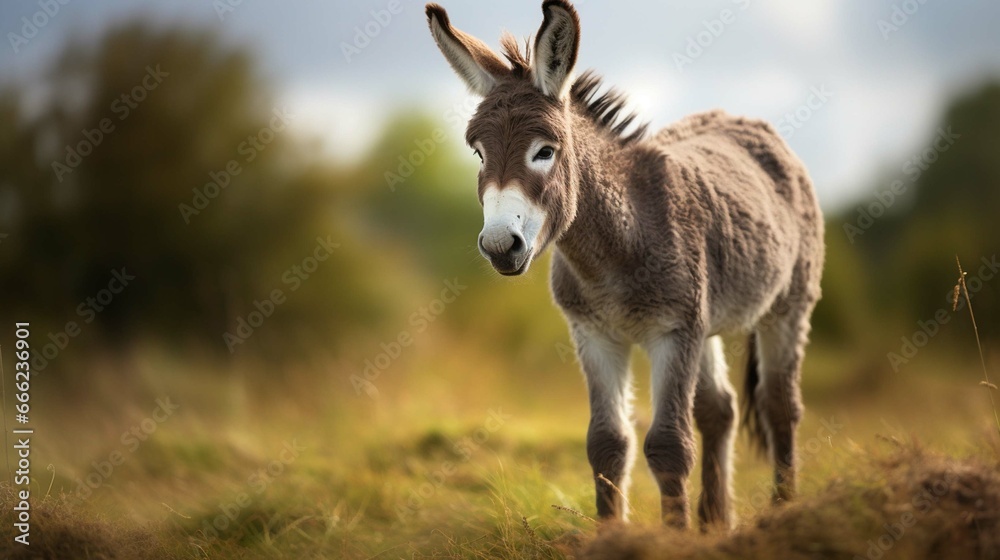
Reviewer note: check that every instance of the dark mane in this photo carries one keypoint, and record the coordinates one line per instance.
(607, 109)
(520, 62)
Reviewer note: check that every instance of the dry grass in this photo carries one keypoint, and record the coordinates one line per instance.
(912, 503)
(990, 387)
(523, 491)
(909, 501)
(60, 529)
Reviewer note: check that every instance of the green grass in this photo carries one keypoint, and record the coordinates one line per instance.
(427, 471)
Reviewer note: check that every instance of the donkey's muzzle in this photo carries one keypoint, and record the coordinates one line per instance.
(506, 251)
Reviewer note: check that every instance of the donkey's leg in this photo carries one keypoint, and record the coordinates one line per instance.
(670, 445)
(715, 416)
(781, 341)
(610, 437)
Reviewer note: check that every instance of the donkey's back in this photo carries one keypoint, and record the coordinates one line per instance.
(750, 199)
(732, 147)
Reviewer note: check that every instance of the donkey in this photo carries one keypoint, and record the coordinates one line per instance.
(664, 241)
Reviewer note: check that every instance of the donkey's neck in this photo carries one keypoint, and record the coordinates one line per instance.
(605, 228)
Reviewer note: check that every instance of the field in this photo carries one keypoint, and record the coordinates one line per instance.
(299, 352)
(434, 463)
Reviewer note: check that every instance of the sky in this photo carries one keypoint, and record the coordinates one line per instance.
(857, 87)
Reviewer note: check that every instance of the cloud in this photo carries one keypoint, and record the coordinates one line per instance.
(346, 123)
(814, 22)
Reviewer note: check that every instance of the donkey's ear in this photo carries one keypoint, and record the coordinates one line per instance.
(477, 65)
(556, 47)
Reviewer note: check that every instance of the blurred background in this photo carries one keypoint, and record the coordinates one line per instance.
(267, 212)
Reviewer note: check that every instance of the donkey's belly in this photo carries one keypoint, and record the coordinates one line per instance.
(738, 316)
(611, 306)
(740, 298)
(639, 307)
(641, 323)
(637, 325)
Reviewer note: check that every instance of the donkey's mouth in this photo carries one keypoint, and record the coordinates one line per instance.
(512, 267)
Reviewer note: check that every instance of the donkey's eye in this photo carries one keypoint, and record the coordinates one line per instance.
(545, 153)
(480, 156)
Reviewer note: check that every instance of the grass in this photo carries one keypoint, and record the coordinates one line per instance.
(905, 503)
(441, 466)
(990, 387)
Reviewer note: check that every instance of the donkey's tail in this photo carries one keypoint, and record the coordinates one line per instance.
(751, 413)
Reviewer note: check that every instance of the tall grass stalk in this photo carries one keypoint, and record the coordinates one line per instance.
(968, 301)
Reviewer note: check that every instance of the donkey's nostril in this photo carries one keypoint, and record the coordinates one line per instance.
(517, 245)
(482, 246)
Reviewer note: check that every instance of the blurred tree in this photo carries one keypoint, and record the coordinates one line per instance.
(956, 207)
(161, 152)
(909, 254)
(426, 199)
(163, 157)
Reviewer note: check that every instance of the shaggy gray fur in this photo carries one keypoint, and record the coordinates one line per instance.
(709, 226)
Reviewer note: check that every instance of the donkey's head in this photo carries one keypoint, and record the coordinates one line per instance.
(528, 180)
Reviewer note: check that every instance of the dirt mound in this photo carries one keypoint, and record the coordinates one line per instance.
(910, 505)
(61, 530)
